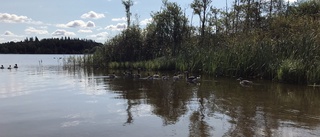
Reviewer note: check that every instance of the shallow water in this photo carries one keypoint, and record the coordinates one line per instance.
(43, 98)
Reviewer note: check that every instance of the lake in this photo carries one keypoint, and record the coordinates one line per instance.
(42, 98)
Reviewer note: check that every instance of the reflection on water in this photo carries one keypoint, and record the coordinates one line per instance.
(42, 100)
(221, 107)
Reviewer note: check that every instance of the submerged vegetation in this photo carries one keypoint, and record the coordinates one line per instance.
(274, 40)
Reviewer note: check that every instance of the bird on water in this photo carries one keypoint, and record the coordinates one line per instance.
(244, 82)
(192, 79)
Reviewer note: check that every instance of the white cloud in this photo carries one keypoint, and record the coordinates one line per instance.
(61, 26)
(32, 30)
(77, 24)
(119, 19)
(92, 15)
(8, 33)
(118, 27)
(8, 36)
(15, 40)
(2, 40)
(90, 24)
(100, 36)
(292, 0)
(85, 31)
(99, 29)
(61, 32)
(13, 18)
(289, 0)
(43, 27)
(146, 21)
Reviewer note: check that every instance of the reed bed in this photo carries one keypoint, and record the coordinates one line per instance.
(286, 49)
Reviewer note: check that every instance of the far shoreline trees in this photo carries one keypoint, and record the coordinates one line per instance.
(63, 45)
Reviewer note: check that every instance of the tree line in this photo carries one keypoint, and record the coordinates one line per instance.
(63, 45)
(271, 39)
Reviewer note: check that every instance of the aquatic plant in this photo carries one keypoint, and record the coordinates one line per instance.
(292, 71)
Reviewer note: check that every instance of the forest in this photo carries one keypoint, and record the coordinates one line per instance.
(64, 45)
(266, 39)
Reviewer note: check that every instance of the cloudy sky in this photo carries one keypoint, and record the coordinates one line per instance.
(90, 19)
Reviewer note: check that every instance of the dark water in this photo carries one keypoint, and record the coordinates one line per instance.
(43, 99)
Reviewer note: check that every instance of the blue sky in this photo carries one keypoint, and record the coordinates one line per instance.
(98, 20)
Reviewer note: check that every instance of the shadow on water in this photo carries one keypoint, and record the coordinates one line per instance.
(264, 109)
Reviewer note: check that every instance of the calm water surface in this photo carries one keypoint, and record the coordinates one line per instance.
(44, 99)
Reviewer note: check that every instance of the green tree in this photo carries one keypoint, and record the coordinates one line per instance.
(127, 4)
(168, 29)
(201, 8)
